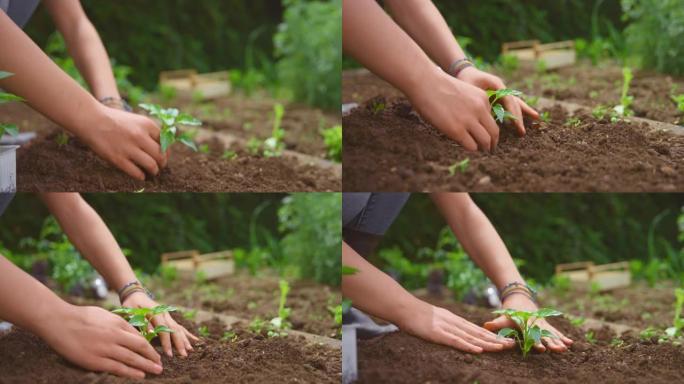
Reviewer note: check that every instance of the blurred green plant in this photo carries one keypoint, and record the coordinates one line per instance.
(312, 235)
(11, 129)
(333, 141)
(310, 64)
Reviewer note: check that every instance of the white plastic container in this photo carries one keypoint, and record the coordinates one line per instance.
(8, 168)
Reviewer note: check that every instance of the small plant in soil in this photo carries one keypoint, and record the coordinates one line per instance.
(333, 141)
(281, 323)
(171, 119)
(498, 111)
(590, 337)
(545, 117)
(203, 331)
(377, 107)
(577, 321)
(573, 121)
(678, 323)
(229, 155)
(229, 336)
(140, 318)
(190, 315)
(528, 333)
(253, 146)
(11, 129)
(679, 100)
(62, 139)
(274, 145)
(204, 148)
(461, 166)
(616, 342)
(624, 108)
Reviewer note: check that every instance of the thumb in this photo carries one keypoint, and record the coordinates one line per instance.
(499, 323)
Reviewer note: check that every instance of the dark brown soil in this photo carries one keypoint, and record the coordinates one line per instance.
(401, 358)
(248, 297)
(251, 359)
(394, 150)
(593, 85)
(253, 117)
(639, 305)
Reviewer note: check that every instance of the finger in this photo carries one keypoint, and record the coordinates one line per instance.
(526, 109)
(146, 162)
(139, 345)
(499, 323)
(511, 105)
(460, 344)
(463, 137)
(131, 169)
(566, 340)
(561, 337)
(164, 337)
(121, 370)
(487, 335)
(190, 335)
(133, 360)
(153, 149)
(554, 345)
(493, 129)
(177, 336)
(488, 346)
(151, 128)
(481, 136)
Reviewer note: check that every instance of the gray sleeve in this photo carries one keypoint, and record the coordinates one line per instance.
(20, 11)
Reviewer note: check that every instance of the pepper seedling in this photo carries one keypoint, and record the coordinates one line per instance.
(171, 119)
(498, 111)
(528, 333)
(624, 109)
(281, 323)
(140, 318)
(11, 129)
(462, 166)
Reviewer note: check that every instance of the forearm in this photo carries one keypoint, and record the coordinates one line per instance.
(425, 24)
(374, 292)
(44, 86)
(24, 301)
(377, 42)
(478, 237)
(91, 58)
(90, 236)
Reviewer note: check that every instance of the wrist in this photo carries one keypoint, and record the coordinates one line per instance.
(407, 310)
(59, 311)
(90, 116)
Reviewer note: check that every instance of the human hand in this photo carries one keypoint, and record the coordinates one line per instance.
(460, 110)
(180, 335)
(440, 326)
(128, 141)
(512, 104)
(522, 303)
(101, 341)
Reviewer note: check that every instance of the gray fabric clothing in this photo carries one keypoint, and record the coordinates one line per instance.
(5, 200)
(371, 213)
(20, 11)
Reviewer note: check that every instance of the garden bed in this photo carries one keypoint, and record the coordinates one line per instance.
(248, 297)
(401, 358)
(395, 150)
(253, 117)
(44, 165)
(251, 358)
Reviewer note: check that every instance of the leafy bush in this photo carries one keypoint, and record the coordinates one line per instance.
(312, 235)
(654, 35)
(308, 45)
(333, 141)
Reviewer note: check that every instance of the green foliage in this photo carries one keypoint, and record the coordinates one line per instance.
(545, 117)
(336, 312)
(528, 333)
(280, 325)
(203, 331)
(171, 119)
(654, 33)
(377, 106)
(590, 337)
(310, 63)
(573, 121)
(561, 284)
(11, 129)
(348, 271)
(508, 64)
(229, 336)
(498, 111)
(274, 145)
(679, 100)
(229, 155)
(624, 109)
(312, 235)
(140, 318)
(62, 139)
(190, 315)
(168, 273)
(678, 323)
(333, 141)
(461, 166)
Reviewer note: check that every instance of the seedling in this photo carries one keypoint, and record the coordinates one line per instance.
(528, 333)
(203, 331)
(204, 148)
(333, 141)
(616, 342)
(577, 321)
(140, 318)
(229, 336)
(498, 111)
(274, 145)
(623, 110)
(461, 166)
(11, 129)
(679, 100)
(281, 323)
(648, 333)
(62, 139)
(253, 146)
(590, 337)
(573, 121)
(545, 117)
(336, 312)
(678, 323)
(229, 155)
(171, 119)
(377, 107)
(600, 112)
(532, 101)
(190, 315)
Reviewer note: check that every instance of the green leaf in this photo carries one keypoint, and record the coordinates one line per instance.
(505, 332)
(188, 142)
(505, 311)
(153, 109)
(547, 312)
(4, 75)
(347, 270)
(499, 113)
(162, 328)
(8, 97)
(163, 309)
(346, 304)
(535, 334)
(138, 320)
(10, 129)
(166, 138)
(547, 333)
(122, 311)
(185, 119)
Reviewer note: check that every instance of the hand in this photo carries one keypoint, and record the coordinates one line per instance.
(512, 104)
(458, 109)
(128, 141)
(440, 326)
(101, 341)
(180, 335)
(522, 303)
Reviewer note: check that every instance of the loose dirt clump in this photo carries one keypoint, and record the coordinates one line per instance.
(250, 359)
(401, 358)
(395, 150)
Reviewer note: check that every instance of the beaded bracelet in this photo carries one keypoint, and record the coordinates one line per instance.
(115, 102)
(459, 65)
(131, 288)
(518, 288)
